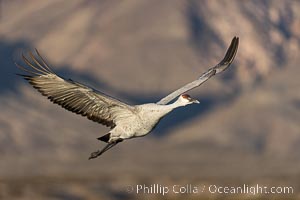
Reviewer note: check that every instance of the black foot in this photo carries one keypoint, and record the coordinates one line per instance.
(95, 155)
(107, 147)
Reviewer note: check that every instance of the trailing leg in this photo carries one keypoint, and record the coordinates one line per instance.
(106, 148)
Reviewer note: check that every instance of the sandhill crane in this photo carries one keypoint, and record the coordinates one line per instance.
(125, 121)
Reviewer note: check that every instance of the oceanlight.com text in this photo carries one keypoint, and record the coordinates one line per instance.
(210, 189)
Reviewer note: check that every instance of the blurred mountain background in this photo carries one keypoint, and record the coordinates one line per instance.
(246, 129)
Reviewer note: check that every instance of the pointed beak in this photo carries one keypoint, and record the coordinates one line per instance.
(195, 101)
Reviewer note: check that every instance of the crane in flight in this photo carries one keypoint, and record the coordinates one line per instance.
(125, 121)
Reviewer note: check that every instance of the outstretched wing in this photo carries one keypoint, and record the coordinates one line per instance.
(74, 96)
(224, 64)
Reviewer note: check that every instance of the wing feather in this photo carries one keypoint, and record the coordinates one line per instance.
(72, 95)
(223, 65)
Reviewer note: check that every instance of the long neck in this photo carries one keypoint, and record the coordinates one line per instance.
(174, 105)
(165, 109)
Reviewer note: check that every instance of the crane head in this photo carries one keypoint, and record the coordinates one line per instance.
(187, 99)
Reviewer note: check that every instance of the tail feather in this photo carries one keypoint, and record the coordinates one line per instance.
(104, 138)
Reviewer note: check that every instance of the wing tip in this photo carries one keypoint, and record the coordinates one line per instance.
(35, 65)
(229, 55)
(232, 50)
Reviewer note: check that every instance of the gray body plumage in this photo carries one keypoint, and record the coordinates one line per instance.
(139, 123)
(125, 121)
